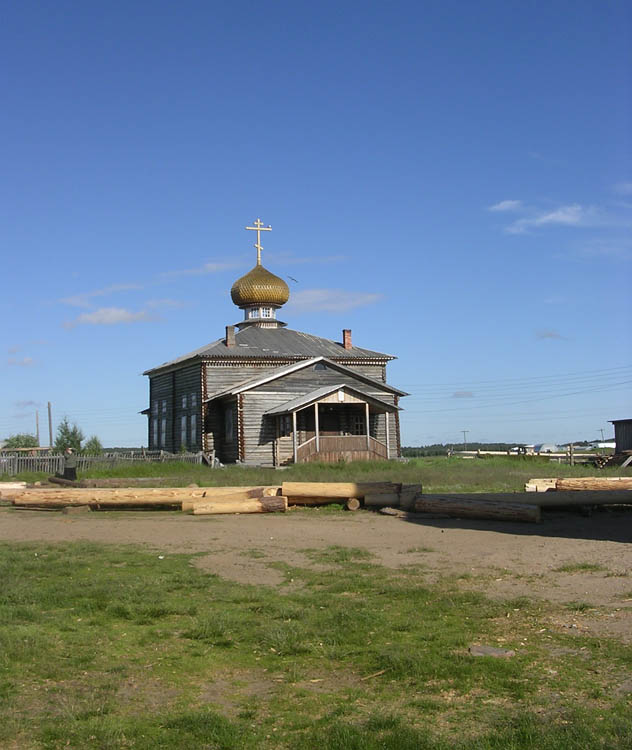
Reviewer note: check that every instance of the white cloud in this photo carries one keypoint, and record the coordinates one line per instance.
(506, 206)
(571, 215)
(83, 299)
(330, 300)
(26, 404)
(23, 362)
(108, 316)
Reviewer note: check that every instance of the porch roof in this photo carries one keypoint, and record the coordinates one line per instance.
(301, 402)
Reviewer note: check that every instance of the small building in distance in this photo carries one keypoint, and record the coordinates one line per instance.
(267, 395)
(622, 435)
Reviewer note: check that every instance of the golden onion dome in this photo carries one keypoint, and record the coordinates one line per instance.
(259, 287)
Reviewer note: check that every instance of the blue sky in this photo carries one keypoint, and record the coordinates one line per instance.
(450, 180)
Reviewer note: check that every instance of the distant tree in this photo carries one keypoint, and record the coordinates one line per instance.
(22, 440)
(93, 446)
(68, 436)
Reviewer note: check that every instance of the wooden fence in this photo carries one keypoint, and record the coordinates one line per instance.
(13, 464)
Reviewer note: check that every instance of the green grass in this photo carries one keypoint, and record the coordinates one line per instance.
(581, 567)
(437, 474)
(112, 647)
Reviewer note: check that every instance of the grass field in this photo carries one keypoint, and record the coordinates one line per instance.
(112, 647)
(105, 646)
(497, 474)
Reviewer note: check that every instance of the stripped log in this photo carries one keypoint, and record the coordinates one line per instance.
(546, 499)
(137, 496)
(336, 489)
(540, 485)
(353, 503)
(276, 504)
(381, 499)
(455, 506)
(235, 495)
(88, 498)
(11, 489)
(594, 483)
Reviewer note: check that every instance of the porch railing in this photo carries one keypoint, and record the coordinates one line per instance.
(342, 444)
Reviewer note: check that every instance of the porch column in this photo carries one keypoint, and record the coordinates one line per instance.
(388, 438)
(316, 427)
(294, 440)
(366, 415)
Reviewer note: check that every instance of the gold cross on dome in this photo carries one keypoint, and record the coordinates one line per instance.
(258, 228)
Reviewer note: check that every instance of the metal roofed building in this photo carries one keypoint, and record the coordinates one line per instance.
(268, 395)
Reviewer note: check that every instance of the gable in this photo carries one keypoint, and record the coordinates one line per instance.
(311, 374)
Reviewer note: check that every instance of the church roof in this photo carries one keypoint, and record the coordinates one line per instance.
(253, 342)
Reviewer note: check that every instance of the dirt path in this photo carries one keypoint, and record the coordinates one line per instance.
(502, 559)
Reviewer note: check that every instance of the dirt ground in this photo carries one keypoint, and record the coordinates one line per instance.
(503, 560)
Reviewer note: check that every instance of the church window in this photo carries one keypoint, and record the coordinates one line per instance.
(285, 425)
(154, 407)
(193, 400)
(184, 402)
(320, 366)
(164, 407)
(183, 431)
(193, 429)
(163, 432)
(358, 424)
(253, 312)
(155, 431)
(266, 312)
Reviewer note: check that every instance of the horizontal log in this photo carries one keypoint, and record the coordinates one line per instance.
(337, 489)
(353, 503)
(132, 496)
(546, 499)
(88, 498)
(313, 501)
(277, 504)
(483, 509)
(594, 483)
(211, 496)
(381, 499)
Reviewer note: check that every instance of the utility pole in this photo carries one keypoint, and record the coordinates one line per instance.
(37, 427)
(464, 439)
(601, 431)
(50, 427)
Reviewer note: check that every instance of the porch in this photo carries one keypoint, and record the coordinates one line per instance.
(333, 424)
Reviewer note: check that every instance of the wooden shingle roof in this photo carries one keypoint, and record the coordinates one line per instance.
(254, 342)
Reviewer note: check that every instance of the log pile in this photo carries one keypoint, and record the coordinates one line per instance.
(526, 506)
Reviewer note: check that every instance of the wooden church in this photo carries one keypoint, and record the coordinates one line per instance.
(269, 396)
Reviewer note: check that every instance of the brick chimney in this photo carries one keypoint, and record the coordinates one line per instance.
(346, 338)
(230, 336)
